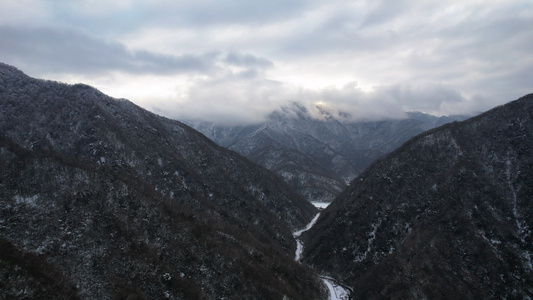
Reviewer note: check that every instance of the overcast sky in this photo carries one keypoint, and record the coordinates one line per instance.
(237, 60)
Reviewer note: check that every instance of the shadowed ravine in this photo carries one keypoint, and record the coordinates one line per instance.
(336, 292)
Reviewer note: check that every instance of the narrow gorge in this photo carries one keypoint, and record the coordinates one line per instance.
(336, 291)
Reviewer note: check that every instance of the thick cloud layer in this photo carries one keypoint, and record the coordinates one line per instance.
(235, 61)
(64, 51)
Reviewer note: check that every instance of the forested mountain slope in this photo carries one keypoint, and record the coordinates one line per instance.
(121, 202)
(447, 215)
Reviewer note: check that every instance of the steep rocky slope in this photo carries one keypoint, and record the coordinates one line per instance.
(447, 215)
(317, 156)
(122, 202)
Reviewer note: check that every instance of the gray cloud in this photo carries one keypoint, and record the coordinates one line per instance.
(233, 100)
(238, 60)
(222, 12)
(133, 15)
(383, 11)
(393, 101)
(247, 60)
(68, 51)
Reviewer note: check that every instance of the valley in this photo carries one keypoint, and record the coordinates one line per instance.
(318, 152)
(100, 198)
(336, 291)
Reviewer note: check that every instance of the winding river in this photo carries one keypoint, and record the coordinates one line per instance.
(336, 292)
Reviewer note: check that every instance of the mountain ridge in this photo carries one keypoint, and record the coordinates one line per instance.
(124, 203)
(318, 157)
(446, 215)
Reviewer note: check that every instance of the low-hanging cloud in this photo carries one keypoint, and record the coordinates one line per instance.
(236, 100)
(233, 99)
(353, 104)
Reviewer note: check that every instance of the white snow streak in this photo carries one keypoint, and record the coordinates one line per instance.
(371, 238)
(522, 230)
(519, 225)
(299, 250)
(320, 205)
(299, 232)
(30, 201)
(336, 292)
(296, 234)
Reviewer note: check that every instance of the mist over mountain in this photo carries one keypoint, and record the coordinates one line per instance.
(100, 199)
(318, 152)
(448, 215)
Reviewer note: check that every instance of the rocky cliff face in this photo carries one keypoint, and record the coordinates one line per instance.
(447, 215)
(121, 202)
(317, 157)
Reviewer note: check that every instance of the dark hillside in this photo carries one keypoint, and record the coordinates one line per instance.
(124, 203)
(447, 215)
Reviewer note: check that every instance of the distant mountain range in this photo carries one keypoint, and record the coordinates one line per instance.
(100, 199)
(318, 155)
(448, 215)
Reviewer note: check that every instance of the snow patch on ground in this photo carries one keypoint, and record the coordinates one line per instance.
(336, 292)
(371, 238)
(30, 201)
(521, 228)
(320, 205)
(299, 250)
(296, 234)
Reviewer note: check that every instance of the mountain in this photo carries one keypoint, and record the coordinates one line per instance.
(448, 215)
(100, 199)
(318, 155)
